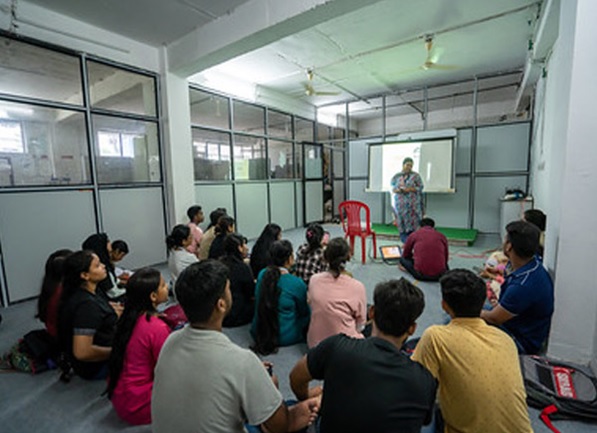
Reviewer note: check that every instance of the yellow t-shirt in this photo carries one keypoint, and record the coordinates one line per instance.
(480, 384)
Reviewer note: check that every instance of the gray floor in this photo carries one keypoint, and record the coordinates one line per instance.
(43, 404)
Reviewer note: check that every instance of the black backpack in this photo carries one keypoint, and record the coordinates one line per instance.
(561, 390)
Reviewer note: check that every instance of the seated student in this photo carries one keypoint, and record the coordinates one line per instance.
(526, 301)
(537, 218)
(242, 283)
(425, 253)
(370, 385)
(206, 383)
(338, 302)
(309, 256)
(223, 228)
(210, 233)
(260, 257)
(51, 291)
(119, 249)
(178, 256)
(282, 313)
(195, 214)
(480, 383)
(139, 337)
(101, 246)
(86, 320)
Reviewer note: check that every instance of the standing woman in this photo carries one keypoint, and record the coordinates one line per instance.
(242, 283)
(260, 254)
(140, 335)
(338, 301)
(86, 320)
(178, 256)
(282, 313)
(407, 187)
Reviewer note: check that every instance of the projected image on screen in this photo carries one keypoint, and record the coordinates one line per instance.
(432, 159)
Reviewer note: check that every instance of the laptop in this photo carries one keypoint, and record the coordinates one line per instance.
(390, 253)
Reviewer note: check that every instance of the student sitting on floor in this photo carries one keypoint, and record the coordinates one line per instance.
(260, 256)
(210, 233)
(224, 227)
(139, 337)
(539, 219)
(527, 299)
(309, 256)
(86, 320)
(338, 302)
(195, 214)
(119, 250)
(178, 256)
(206, 383)
(282, 313)
(480, 383)
(242, 283)
(425, 253)
(370, 385)
(100, 244)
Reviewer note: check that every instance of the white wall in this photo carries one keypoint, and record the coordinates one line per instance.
(565, 179)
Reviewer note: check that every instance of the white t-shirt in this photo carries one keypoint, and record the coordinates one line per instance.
(205, 383)
(178, 260)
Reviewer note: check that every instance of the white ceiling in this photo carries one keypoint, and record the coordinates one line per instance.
(375, 50)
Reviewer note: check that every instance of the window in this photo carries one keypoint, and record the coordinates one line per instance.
(116, 144)
(11, 137)
(211, 156)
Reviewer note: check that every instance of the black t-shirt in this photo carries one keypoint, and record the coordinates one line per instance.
(216, 250)
(87, 314)
(370, 386)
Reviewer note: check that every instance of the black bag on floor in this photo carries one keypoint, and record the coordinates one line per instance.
(561, 390)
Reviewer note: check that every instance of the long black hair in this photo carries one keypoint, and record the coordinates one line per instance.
(74, 265)
(98, 243)
(138, 302)
(232, 244)
(224, 226)
(179, 233)
(337, 254)
(314, 236)
(260, 256)
(52, 278)
(267, 334)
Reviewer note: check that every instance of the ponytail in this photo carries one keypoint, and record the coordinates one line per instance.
(268, 324)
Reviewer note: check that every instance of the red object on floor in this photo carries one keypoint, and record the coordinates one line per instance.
(353, 224)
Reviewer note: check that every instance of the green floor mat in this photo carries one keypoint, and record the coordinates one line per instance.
(455, 236)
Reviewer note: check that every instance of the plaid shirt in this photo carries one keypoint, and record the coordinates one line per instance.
(309, 263)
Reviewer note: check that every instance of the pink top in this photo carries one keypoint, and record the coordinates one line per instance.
(197, 235)
(132, 396)
(338, 305)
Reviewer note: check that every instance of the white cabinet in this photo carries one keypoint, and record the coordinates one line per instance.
(512, 210)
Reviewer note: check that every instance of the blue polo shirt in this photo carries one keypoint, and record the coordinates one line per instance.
(528, 294)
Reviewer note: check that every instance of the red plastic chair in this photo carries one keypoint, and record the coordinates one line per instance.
(353, 225)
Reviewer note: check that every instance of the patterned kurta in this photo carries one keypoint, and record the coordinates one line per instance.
(408, 206)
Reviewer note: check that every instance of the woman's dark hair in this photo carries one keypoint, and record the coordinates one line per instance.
(120, 245)
(179, 233)
(52, 278)
(336, 255)
(536, 217)
(98, 243)
(260, 257)
(314, 236)
(232, 244)
(215, 215)
(224, 225)
(138, 302)
(268, 325)
(74, 265)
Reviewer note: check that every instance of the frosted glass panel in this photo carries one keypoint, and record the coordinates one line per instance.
(358, 158)
(282, 204)
(338, 195)
(136, 216)
(503, 148)
(210, 197)
(372, 199)
(464, 141)
(33, 225)
(488, 192)
(251, 208)
(450, 210)
(314, 201)
(300, 221)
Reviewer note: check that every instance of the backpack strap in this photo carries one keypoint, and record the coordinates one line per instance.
(545, 413)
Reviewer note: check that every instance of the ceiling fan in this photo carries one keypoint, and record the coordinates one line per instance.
(433, 55)
(310, 90)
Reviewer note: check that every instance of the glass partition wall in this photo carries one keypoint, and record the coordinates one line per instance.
(242, 149)
(79, 153)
